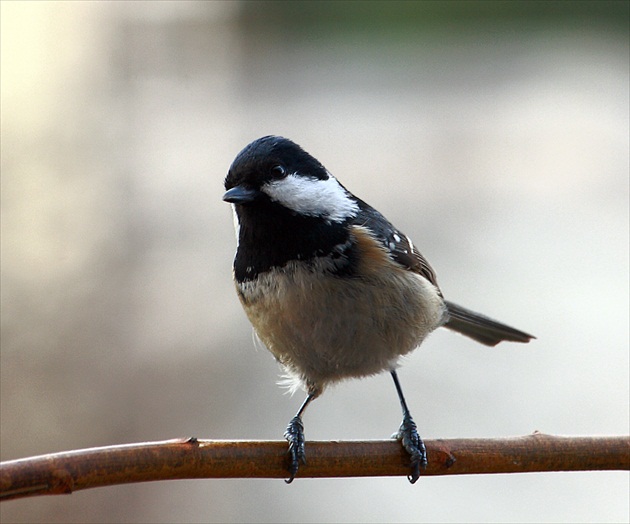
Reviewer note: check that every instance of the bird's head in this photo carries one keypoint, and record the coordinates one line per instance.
(274, 171)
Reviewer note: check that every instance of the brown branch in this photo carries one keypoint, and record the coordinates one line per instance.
(191, 458)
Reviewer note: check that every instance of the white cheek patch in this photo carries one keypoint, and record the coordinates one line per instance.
(313, 197)
(237, 224)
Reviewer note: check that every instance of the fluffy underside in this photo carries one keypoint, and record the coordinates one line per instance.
(323, 329)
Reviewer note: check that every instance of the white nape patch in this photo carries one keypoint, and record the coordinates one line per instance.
(313, 197)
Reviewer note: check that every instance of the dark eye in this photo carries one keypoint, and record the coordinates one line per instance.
(278, 171)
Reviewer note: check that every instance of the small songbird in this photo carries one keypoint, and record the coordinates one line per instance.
(332, 288)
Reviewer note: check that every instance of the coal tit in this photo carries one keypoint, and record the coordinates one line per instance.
(332, 288)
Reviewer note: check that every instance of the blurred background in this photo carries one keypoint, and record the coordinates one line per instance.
(495, 134)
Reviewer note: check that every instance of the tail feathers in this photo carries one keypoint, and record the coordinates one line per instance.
(481, 328)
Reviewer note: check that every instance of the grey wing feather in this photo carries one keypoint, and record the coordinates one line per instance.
(397, 243)
(469, 323)
(405, 253)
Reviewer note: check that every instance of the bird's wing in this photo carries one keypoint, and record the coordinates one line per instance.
(395, 242)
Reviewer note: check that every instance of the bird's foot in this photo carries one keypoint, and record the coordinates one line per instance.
(411, 441)
(295, 436)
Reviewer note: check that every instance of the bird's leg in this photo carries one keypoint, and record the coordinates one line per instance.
(295, 436)
(408, 436)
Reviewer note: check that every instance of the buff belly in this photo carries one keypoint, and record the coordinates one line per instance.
(323, 328)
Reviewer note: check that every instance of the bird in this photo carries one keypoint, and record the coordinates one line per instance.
(332, 288)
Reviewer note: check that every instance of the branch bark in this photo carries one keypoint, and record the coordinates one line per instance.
(61, 473)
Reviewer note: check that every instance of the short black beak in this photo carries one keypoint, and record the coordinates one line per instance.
(241, 195)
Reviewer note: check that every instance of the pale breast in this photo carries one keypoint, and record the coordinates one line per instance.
(324, 328)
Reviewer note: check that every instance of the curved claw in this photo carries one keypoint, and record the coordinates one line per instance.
(411, 441)
(295, 436)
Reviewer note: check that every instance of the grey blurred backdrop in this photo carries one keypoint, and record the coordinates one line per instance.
(495, 134)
